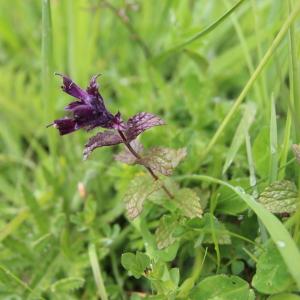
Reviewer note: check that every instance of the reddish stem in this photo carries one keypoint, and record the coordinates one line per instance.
(135, 154)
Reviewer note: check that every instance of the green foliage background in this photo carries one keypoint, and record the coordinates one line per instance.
(63, 227)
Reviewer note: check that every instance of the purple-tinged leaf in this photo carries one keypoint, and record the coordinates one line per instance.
(188, 203)
(162, 160)
(139, 189)
(164, 232)
(106, 138)
(141, 122)
(126, 156)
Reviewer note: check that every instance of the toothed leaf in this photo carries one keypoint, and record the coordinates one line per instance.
(105, 138)
(141, 122)
(164, 232)
(135, 264)
(188, 202)
(280, 197)
(140, 188)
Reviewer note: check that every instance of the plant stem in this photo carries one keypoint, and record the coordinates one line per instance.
(97, 272)
(135, 154)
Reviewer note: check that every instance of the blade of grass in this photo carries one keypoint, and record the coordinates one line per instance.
(97, 272)
(202, 33)
(273, 144)
(253, 183)
(263, 83)
(279, 234)
(295, 78)
(16, 279)
(47, 71)
(10, 227)
(295, 88)
(285, 146)
(252, 79)
(238, 139)
(247, 54)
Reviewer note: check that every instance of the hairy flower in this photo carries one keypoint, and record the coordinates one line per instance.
(89, 111)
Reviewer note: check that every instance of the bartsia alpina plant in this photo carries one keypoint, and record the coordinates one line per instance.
(89, 112)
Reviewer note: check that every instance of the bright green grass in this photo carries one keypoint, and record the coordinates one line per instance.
(200, 65)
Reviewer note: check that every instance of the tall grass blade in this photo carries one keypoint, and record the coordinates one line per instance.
(252, 79)
(239, 136)
(199, 35)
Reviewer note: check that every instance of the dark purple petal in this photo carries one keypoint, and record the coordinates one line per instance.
(141, 122)
(84, 114)
(93, 87)
(71, 88)
(105, 138)
(65, 125)
(73, 105)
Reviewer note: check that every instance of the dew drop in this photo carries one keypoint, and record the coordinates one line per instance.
(240, 190)
(280, 244)
(273, 150)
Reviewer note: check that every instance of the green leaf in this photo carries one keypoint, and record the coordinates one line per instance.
(67, 284)
(205, 228)
(136, 264)
(271, 275)
(188, 202)
(164, 231)
(237, 267)
(260, 152)
(280, 197)
(139, 189)
(202, 33)
(239, 136)
(222, 287)
(284, 296)
(90, 209)
(228, 201)
(199, 59)
(162, 160)
(163, 280)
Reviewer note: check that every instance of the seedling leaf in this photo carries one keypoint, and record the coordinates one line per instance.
(135, 264)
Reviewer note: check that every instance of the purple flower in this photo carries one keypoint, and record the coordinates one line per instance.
(89, 111)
